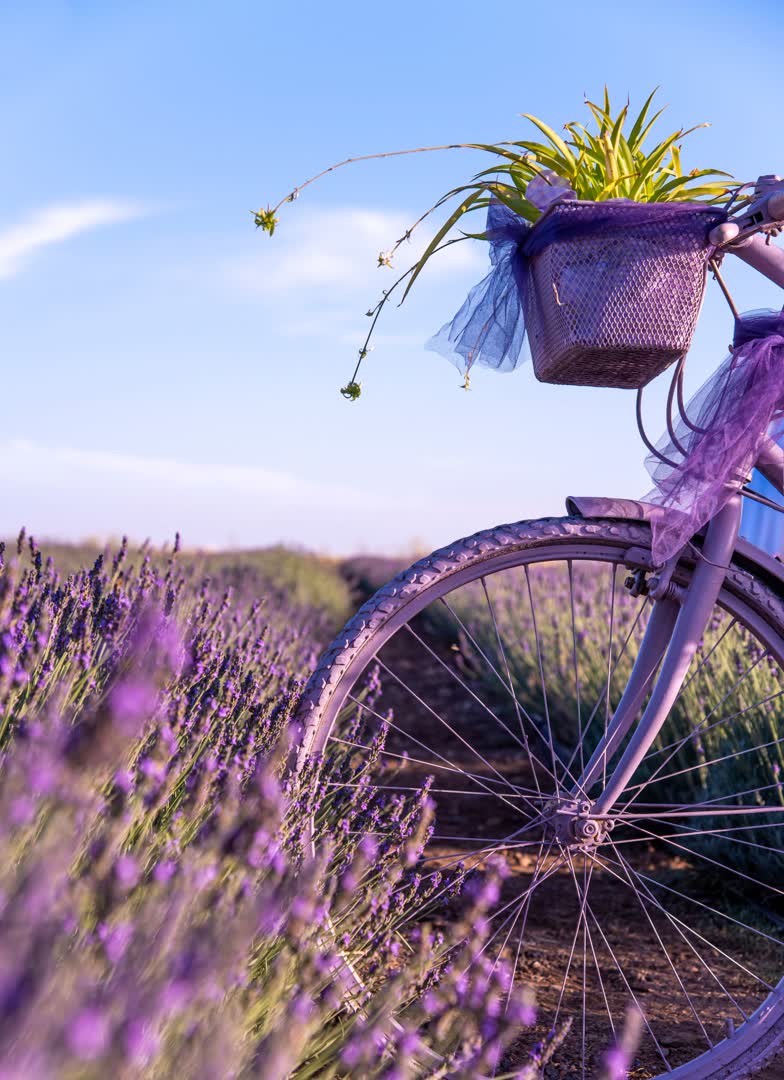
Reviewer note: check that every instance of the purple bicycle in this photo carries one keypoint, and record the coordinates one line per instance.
(598, 698)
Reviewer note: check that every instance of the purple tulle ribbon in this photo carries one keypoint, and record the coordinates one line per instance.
(734, 410)
(489, 328)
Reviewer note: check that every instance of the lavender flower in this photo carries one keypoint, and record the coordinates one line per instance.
(171, 898)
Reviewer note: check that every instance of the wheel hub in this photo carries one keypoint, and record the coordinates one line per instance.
(572, 823)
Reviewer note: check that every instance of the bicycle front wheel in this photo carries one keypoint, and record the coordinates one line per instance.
(501, 659)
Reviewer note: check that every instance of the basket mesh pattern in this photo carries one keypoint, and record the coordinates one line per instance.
(616, 308)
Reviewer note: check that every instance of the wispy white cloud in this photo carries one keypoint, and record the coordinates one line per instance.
(30, 462)
(54, 224)
(338, 249)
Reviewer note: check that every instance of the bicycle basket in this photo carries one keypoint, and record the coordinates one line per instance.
(616, 304)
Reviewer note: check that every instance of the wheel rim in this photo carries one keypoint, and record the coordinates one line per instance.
(540, 746)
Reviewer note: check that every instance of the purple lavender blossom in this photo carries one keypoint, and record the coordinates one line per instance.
(89, 1033)
(176, 906)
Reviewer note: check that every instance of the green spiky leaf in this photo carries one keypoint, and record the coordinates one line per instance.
(453, 218)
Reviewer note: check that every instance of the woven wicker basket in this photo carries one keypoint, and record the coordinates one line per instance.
(616, 308)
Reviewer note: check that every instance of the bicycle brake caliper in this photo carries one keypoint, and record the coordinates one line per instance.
(645, 581)
(637, 582)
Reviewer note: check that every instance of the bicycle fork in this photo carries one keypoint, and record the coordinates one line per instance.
(672, 636)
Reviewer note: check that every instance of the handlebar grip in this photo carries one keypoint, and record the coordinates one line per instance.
(722, 234)
(776, 206)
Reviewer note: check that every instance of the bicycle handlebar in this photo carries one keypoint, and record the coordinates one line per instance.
(767, 259)
(776, 206)
(743, 235)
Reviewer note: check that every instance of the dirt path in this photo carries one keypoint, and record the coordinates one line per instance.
(622, 957)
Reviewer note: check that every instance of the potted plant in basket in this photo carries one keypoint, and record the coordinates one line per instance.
(598, 246)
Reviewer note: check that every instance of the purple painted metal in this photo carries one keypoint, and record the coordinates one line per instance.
(760, 563)
(706, 583)
(743, 236)
(766, 258)
(771, 463)
(654, 645)
(599, 506)
(663, 622)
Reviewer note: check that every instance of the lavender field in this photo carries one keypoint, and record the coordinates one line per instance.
(163, 910)
(176, 900)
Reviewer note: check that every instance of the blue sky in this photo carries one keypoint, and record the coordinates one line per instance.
(166, 367)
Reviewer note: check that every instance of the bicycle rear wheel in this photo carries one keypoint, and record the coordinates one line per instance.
(502, 658)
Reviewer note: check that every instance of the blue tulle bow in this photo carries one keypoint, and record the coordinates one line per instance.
(489, 328)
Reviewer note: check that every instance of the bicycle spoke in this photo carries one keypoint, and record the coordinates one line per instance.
(445, 723)
(655, 751)
(664, 949)
(580, 920)
(631, 993)
(680, 927)
(523, 902)
(550, 740)
(706, 907)
(499, 795)
(720, 833)
(522, 743)
(502, 651)
(663, 811)
(570, 566)
(447, 861)
(713, 862)
(580, 747)
(508, 846)
(553, 776)
(489, 851)
(690, 679)
(478, 857)
(464, 686)
(596, 963)
(432, 790)
(714, 761)
(685, 831)
(712, 727)
(512, 915)
(690, 736)
(538, 878)
(675, 920)
(407, 759)
(542, 879)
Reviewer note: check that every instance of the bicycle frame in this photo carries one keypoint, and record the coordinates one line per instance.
(671, 639)
(678, 619)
